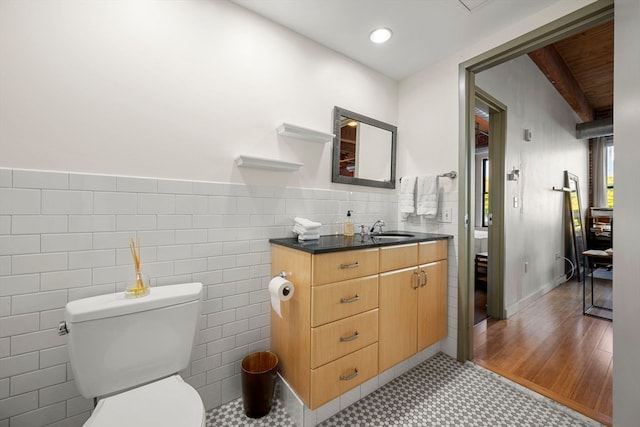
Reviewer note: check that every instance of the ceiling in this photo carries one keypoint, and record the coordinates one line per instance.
(426, 31)
(581, 69)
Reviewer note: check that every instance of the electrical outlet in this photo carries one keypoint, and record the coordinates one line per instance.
(445, 215)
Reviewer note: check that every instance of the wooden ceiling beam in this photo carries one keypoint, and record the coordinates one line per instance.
(554, 68)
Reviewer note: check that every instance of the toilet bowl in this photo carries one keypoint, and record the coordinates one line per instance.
(169, 402)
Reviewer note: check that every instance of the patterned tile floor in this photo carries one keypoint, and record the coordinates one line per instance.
(438, 392)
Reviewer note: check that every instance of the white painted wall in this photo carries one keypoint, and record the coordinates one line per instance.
(428, 119)
(626, 292)
(101, 93)
(173, 89)
(534, 231)
(428, 109)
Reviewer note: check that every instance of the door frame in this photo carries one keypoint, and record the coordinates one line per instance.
(497, 144)
(588, 16)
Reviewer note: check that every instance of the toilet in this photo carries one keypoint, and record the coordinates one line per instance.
(127, 353)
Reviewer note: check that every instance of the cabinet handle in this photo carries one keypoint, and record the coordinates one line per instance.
(423, 274)
(354, 265)
(416, 280)
(351, 338)
(354, 298)
(350, 376)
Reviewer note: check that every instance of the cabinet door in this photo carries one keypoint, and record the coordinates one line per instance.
(397, 314)
(432, 304)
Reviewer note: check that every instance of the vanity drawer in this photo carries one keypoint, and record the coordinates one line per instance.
(396, 257)
(343, 299)
(335, 378)
(338, 266)
(334, 340)
(432, 251)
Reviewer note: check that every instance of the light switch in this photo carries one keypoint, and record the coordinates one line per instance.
(515, 201)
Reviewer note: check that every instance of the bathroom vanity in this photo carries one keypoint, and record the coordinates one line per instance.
(362, 304)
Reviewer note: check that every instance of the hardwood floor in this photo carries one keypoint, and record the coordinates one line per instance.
(553, 349)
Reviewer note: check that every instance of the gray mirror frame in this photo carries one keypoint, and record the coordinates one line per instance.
(335, 170)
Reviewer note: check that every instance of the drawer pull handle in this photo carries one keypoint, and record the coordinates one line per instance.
(354, 298)
(350, 376)
(351, 338)
(424, 275)
(354, 265)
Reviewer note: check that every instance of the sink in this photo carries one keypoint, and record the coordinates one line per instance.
(392, 235)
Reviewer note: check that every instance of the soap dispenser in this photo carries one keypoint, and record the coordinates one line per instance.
(348, 225)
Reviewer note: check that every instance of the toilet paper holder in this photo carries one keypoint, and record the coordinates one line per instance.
(286, 290)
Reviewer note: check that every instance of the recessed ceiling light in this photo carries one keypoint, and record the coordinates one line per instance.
(380, 35)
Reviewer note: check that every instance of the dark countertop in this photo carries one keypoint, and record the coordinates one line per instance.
(338, 242)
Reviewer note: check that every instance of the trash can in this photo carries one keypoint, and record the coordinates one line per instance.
(258, 383)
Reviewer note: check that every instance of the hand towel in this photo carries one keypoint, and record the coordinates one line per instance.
(298, 229)
(427, 196)
(306, 223)
(306, 229)
(302, 237)
(407, 195)
(306, 232)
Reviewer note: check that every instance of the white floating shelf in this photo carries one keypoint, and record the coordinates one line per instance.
(287, 129)
(270, 164)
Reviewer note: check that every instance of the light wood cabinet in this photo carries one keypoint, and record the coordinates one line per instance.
(413, 300)
(432, 305)
(356, 313)
(398, 321)
(327, 337)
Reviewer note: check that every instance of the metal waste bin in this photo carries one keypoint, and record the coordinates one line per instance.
(258, 383)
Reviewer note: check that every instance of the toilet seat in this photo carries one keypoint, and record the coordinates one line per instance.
(169, 402)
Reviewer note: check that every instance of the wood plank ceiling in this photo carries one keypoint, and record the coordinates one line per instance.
(581, 69)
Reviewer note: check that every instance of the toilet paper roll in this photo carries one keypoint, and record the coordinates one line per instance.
(280, 289)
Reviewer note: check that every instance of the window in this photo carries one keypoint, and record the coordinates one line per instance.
(485, 192)
(609, 161)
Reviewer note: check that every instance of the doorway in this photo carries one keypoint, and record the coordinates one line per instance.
(489, 146)
(595, 13)
(591, 15)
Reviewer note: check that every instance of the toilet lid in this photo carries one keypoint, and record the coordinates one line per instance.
(169, 402)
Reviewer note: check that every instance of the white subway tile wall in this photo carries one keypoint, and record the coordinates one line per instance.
(65, 236)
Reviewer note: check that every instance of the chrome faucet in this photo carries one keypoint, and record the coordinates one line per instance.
(379, 223)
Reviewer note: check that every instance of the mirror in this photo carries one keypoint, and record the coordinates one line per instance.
(364, 150)
(575, 212)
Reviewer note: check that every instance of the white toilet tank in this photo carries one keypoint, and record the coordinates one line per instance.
(117, 343)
